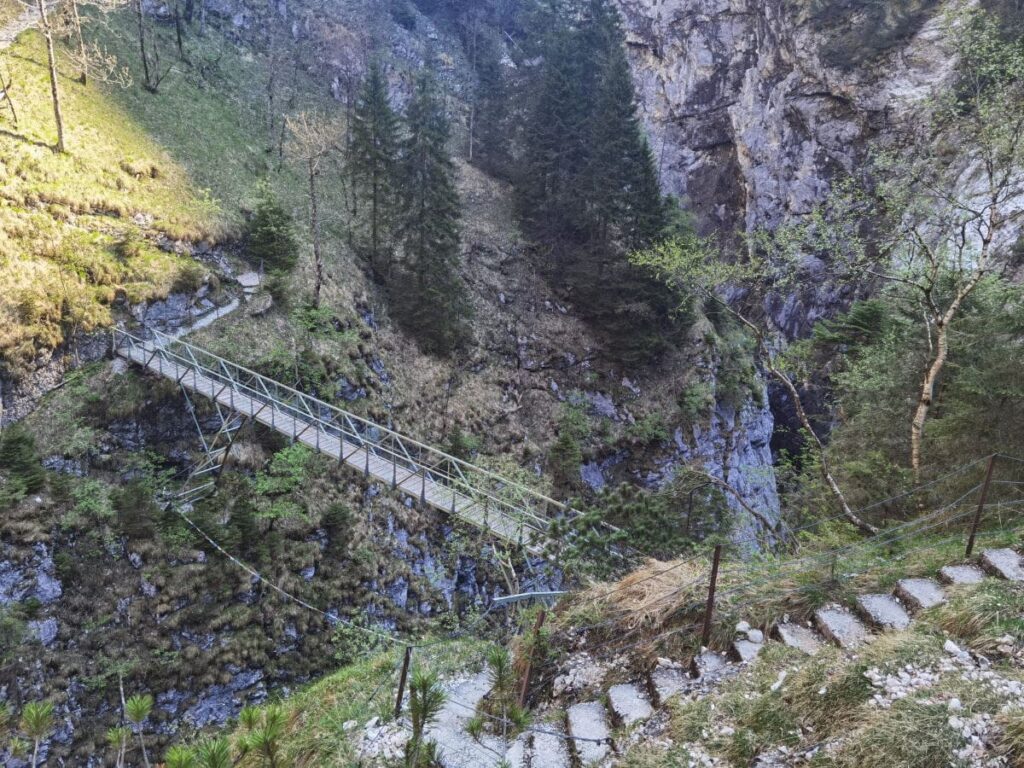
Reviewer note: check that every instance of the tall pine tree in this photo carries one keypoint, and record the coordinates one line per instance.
(556, 147)
(587, 191)
(429, 299)
(374, 167)
(587, 175)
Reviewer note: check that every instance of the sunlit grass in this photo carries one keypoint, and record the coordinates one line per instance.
(179, 166)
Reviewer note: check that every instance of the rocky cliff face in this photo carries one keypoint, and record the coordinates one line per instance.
(754, 107)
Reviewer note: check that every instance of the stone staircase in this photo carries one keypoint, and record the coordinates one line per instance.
(594, 731)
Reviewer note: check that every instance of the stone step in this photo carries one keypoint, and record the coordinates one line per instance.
(961, 574)
(458, 749)
(669, 680)
(919, 594)
(883, 611)
(708, 664)
(840, 626)
(746, 650)
(1004, 563)
(799, 637)
(550, 748)
(518, 753)
(628, 703)
(591, 735)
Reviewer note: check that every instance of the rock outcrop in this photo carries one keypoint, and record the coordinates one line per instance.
(754, 107)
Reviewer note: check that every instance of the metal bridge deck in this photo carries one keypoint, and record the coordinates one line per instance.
(473, 495)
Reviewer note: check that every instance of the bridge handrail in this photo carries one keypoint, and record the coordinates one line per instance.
(162, 343)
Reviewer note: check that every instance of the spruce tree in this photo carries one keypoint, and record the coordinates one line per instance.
(429, 298)
(555, 139)
(588, 188)
(622, 183)
(374, 165)
(649, 212)
(269, 234)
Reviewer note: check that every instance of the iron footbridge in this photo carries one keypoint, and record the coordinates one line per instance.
(509, 511)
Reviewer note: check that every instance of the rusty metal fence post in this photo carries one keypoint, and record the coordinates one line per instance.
(401, 681)
(981, 504)
(524, 685)
(709, 609)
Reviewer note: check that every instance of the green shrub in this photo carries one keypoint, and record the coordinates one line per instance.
(270, 235)
(650, 429)
(461, 444)
(696, 400)
(287, 471)
(131, 246)
(19, 463)
(12, 632)
(566, 454)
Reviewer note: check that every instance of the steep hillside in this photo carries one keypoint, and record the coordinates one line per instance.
(932, 677)
(759, 366)
(142, 221)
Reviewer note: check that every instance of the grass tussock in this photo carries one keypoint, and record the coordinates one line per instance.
(648, 596)
(982, 615)
(912, 734)
(1011, 742)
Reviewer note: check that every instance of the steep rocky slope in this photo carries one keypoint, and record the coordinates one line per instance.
(753, 107)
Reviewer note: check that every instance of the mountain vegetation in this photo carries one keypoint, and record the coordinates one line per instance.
(445, 218)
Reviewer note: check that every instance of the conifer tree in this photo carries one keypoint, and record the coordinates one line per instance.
(622, 181)
(588, 177)
(374, 165)
(588, 189)
(430, 296)
(556, 151)
(270, 234)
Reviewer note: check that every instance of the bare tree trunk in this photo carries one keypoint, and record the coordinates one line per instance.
(179, 34)
(925, 399)
(83, 76)
(147, 80)
(314, 226)
(826, 469)
(5, 98)
(142, 743)
(51, 59)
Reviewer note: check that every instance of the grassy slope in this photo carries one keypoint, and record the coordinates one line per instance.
(180, 165)
(63, 216)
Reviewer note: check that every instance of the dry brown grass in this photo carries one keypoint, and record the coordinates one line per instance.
(650, 595)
